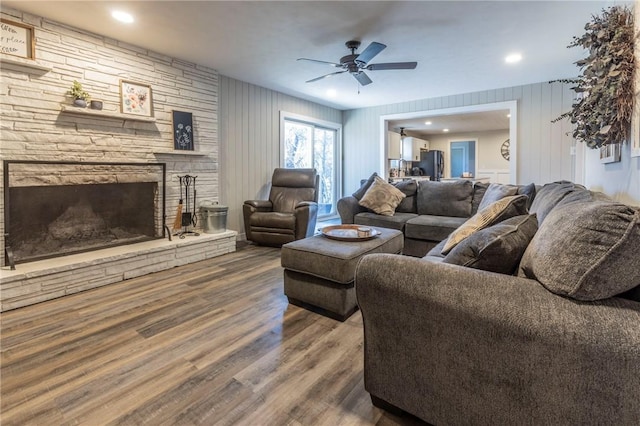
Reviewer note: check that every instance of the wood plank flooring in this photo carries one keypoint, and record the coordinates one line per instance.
(211, 343)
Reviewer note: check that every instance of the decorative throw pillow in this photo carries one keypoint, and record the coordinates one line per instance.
(409, 188)
(495, 192)
(586, 250)
(529, 191)
(382, 197)
(364, 187)
(497, 248)
(505, 208)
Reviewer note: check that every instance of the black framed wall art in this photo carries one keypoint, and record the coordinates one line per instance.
(183, 131)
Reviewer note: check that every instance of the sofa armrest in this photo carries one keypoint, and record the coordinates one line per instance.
(348, 207)
(454, 345)
(306, 213)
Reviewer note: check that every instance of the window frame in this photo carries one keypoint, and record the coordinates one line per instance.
(320, 124)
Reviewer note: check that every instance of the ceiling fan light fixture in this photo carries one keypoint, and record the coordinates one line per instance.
(356, 63)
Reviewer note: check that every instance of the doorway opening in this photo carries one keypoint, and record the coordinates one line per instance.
(462, 158)
(510, 109)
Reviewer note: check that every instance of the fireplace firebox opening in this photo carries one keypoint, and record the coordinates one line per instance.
(58, 208)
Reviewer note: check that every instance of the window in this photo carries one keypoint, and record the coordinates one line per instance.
(310, 143)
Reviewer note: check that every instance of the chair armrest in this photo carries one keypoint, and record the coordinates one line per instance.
(303, 204)
(306, 213)
(506, 346)
(260, 205)
(250, 207)
(348, 207)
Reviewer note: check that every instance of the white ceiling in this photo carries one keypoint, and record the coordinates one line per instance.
(459, 45)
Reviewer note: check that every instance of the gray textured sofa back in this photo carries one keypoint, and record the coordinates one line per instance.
(445, 198)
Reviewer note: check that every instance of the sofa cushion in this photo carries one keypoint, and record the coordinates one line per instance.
(550, 195)
(479, 188)
(364, 186)
(497, 212)
(437, 250)
(397, 221)
(586, 250)
(445, 198)
(529, 191)
(497, 248)
(432, 228)
(495, 192)
(410, 189)
(382, 197)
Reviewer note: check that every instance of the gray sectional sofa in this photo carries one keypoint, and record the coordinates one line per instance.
(555, 343)
(429, 212)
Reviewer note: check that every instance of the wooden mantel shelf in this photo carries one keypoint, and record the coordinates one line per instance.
(70, 109)
(28, 63)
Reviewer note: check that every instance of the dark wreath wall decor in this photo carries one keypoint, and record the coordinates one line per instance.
(602, 113)
(183, 131)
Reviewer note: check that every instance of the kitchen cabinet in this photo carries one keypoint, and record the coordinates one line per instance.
(412, 147)
(394, 146)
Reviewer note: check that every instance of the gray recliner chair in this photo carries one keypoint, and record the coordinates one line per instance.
(289, 214)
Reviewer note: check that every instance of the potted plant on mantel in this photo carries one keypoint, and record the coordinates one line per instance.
(80, 97)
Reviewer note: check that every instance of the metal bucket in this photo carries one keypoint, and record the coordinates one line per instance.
(214, 218)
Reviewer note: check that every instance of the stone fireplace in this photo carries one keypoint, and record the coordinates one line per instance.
(59, 208)
(73, 226)
(46, 206)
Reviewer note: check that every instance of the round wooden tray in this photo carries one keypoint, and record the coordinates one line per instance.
(347, 232)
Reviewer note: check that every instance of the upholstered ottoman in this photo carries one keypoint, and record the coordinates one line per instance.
(319, 272)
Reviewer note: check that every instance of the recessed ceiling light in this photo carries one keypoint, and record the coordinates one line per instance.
(508, 115)
(445, 130)
(428, 123)
(513, 58)
(332, 93)
(122, 16)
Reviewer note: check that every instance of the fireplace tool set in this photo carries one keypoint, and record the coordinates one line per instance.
(185, 215)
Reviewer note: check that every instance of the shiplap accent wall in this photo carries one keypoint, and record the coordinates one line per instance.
(250, 140)
(544, 149)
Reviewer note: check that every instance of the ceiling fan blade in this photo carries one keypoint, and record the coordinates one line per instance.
(362, 78)
(325, 76)
(392, 66)
(372, 50)
(321, 62)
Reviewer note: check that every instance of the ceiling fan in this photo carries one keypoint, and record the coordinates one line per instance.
(355, 64)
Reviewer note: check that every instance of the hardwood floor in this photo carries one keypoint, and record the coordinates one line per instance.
(209, 343)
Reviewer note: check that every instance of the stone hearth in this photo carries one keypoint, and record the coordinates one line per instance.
(47, 279)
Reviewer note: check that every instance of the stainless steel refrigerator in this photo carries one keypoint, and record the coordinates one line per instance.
(432, 164)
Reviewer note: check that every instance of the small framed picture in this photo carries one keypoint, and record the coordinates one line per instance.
(611, 153)
(183, 131)
(17, 39)
(135, 99)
